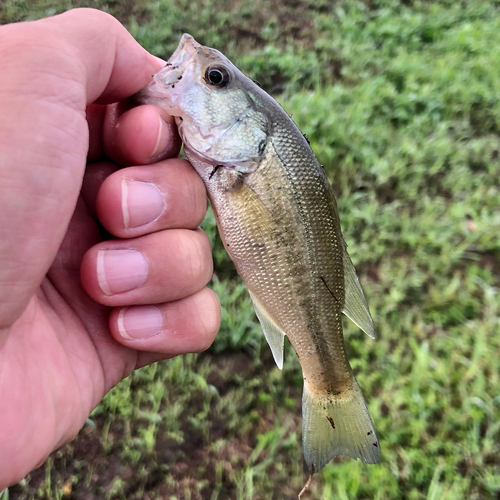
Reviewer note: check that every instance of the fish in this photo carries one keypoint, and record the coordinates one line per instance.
(278, 220)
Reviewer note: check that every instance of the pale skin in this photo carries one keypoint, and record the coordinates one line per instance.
(79, 311)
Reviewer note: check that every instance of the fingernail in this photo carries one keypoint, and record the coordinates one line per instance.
(140, 322)
(142, 203)
(162, 140)
(120, 270)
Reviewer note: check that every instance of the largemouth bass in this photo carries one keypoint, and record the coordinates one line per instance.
(278, 220)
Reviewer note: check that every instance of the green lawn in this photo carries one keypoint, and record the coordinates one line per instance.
(401, 103)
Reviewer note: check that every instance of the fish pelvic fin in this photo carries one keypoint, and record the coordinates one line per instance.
(337, 425)
(274, 336)
(356, 306)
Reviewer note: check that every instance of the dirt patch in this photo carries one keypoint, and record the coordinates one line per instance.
(104, 463)
(83, 467)
(491, 261)
(293, 20)
(236, 364)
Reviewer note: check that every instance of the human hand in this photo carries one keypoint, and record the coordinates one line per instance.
(79, 311)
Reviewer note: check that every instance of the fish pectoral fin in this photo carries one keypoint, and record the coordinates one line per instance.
(274, 336)
(355, 306)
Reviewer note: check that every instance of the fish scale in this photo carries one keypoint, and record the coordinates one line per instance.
(278, 220)
(322, 239)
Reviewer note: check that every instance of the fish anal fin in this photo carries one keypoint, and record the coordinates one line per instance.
(355, 306)
(274, 335)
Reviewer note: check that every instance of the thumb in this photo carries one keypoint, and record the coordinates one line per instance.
(51, 69)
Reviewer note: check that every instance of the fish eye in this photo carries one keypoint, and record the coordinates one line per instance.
(217, 75)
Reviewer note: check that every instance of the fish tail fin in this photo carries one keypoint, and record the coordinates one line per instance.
(337, 425)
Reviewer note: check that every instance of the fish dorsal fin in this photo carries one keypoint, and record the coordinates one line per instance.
(274, 336)
(356, 307)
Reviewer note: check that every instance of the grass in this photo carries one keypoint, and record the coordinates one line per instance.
(400, 103)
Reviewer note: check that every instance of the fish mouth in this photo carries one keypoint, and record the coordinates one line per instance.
(170, 75)
(184, 54)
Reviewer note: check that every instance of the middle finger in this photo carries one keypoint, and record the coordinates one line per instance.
(138, 200)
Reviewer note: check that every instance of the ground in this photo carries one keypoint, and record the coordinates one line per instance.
(400, 103)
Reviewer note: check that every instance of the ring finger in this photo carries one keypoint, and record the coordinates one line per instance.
(155, 268)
